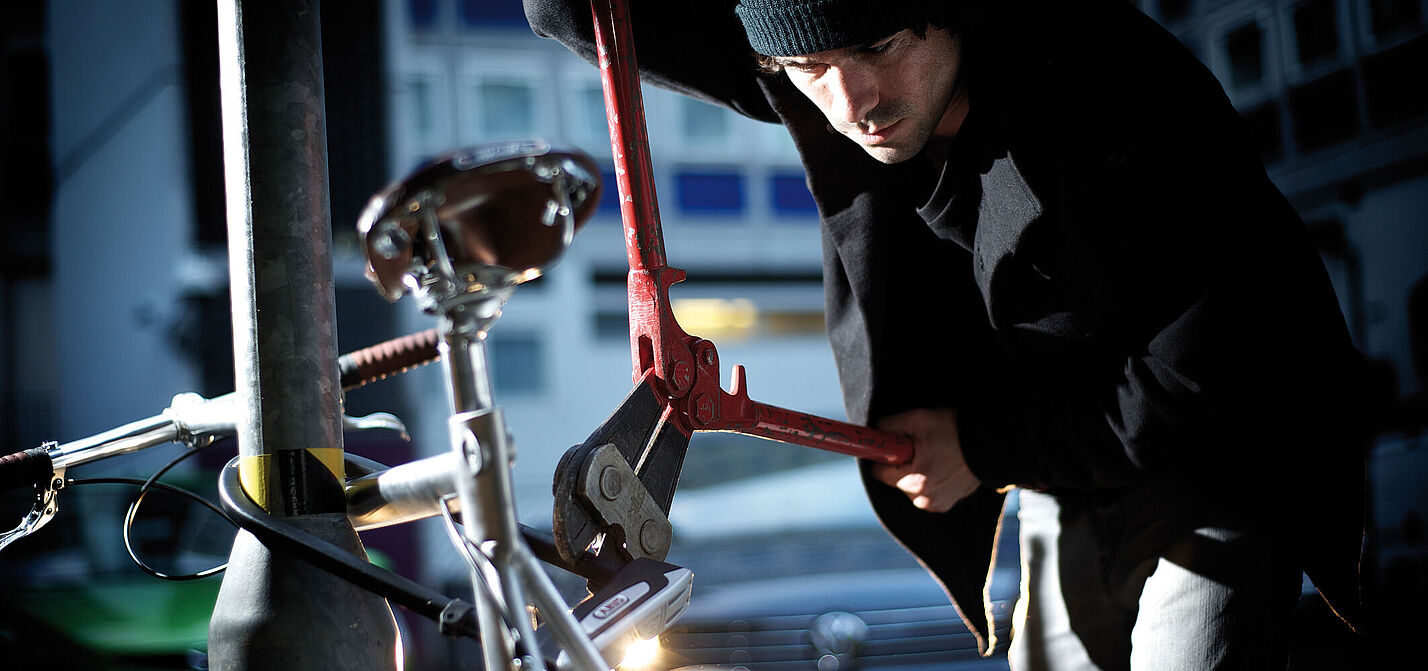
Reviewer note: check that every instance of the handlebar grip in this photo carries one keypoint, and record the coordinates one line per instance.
(373, 363)
(30, 467)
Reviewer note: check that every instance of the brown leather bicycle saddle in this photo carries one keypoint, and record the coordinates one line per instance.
(504, 210)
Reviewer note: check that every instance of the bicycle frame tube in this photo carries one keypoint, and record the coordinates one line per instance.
(483, 487)
(471, 395)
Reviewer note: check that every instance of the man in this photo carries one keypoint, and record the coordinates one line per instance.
(1052, 256)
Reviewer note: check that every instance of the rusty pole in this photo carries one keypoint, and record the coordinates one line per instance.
(275, 612)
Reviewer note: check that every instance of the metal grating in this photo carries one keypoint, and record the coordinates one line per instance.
(931, 636)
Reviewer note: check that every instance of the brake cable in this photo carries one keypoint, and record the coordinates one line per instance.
(144, 487)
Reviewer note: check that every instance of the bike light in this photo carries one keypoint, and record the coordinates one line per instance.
(642, 654)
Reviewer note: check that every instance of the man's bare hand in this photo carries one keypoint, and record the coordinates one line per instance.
(937, 477)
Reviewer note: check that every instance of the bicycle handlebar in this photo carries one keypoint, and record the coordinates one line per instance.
(25, 468)
(379, 361)
(192, 416)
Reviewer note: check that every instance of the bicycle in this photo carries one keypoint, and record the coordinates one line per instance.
(541, 195)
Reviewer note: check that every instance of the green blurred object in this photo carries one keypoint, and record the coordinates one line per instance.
(139, 616)
(72, 600)
(113, 623)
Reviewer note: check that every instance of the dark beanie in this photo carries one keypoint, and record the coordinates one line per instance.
(798, 27)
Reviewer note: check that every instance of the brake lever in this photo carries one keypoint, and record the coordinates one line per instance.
(43, 510)
(376, 420)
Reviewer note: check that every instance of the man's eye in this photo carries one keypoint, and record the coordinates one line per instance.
(879, 48)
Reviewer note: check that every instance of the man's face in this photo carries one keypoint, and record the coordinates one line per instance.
(888, 96)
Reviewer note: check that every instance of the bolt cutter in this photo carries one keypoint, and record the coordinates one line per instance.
(618, 485)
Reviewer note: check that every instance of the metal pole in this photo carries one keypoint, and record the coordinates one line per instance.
(275, 612)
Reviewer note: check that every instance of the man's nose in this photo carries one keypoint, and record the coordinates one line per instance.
(853, 94)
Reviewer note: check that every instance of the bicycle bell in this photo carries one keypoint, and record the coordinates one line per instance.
(477, 221)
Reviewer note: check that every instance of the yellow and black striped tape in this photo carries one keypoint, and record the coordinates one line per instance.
(295, 481)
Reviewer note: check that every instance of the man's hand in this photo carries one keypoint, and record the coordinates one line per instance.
(937, 477)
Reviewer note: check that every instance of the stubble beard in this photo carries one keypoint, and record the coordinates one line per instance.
(909, 145)
(884, 115)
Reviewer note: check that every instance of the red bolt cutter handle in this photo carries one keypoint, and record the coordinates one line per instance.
(686, 368)
(790, 426)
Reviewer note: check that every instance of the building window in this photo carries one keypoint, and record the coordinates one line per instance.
(493, 13)
(423, 13)
(1393, 83)
(517, 363)
(1244, 47)
(1264, 128)
(507, 109)
(1316, 33)
(716, 318)
(774, 142)
(609, 193)
(710, 192)
(424, 112)
(612, 324)
(1193, 44)
(588, 124)
(1173, 10)
(791, 196)
(703, 124)
(422, 107)
(1389, 16)
(1324, 111)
